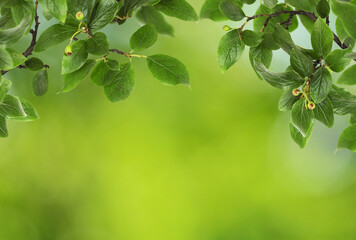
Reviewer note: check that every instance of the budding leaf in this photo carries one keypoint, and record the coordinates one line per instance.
(143, 38)
(3, 128)
(336, 60)
(76, 60)
(40, 83)
(104, 72)
(98, 44)
(320, 84)
(230, 49)
(11, 107)
(251, 38)
(168, 70)
(231, 10)
(347, 139)
(322, 38)
(302, 117)
(301, 63)
(122, 85)
(324, 112)
(287, 100)
(298, 137)
(53, 36)
(289, 79)
(180, 9)
(73, 79)
(348, 77)
(149, 15)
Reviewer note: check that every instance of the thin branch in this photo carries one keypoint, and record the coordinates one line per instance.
(118, 52)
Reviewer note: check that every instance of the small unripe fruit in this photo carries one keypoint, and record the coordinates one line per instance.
(79, 16)
(323, 8)
(311, 105)
(226, 28)
(295, 92)
(68, 50)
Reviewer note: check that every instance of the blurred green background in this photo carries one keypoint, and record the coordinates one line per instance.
(214, 162)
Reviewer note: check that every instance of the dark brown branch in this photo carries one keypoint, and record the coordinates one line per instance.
(119, 52)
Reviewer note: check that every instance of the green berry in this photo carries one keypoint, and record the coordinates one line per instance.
(295, 92)
(311, 105)
(226, 28)
(79, 16)
(323, 8)
(68, 50)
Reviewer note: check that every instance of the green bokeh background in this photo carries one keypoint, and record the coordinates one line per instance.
(214, 162)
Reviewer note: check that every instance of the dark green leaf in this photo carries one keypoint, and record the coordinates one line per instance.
(53, 36)
(343, 101)
(34, 64)
(230, 49)
(322, 38)
(301, 63)
(298, 137)
(143, 38)
(5, 86)
(269, 42)
(98, 44)
(210, 10)
(305, 5)
(122, 85)
(177, 8)
(22, 9)
(149, 15)
(324, 112)
(103, 13)
(283, 80)
(336, 60)
(353, 118)
(104, 72)
(320, 85)
(283, 39)
(323, 8)
(83, 6)
(348, 139)
(76, 60)
(40, 83)
(231, 10)
(348, 77)
(72, 80)
(287, 100)
(251, 38)
(168, 70)
(57, 8)
(302, 117)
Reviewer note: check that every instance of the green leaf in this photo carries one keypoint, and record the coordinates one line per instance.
(262, 54)
(343, 101)
(177, 8)
(210, 10)
(104, 72)
(324, 112)
(301, 4)
(346, 12)
(322, 38)
(83, 6)
(122, 85)
(348, 139)
(348, 77)
(17, 57)
(72, 80)
(57, 8)
(31, 113)
(76, 60)
(104, 12)
(34, 64)
(283, 39)
(301, 63)
(3, 128)
(248, 1)
(251, 38)
(22, 9)
(6, 62)
(53, 36)
(285, 80)
(5, 86)
(230, 49)
(149, 15)
(336, 60)
(323, 8)
(287, 100)
(269, 42)
(270, 3)
(11, 107)
(231, 10)
(143, 38)
(98, 44)
(40, 83)
(302, 117)
(298, 137)
(353, 118)
(131, 5)
(320, 85)
(11, 35)
(168, 70)
(307, 23)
